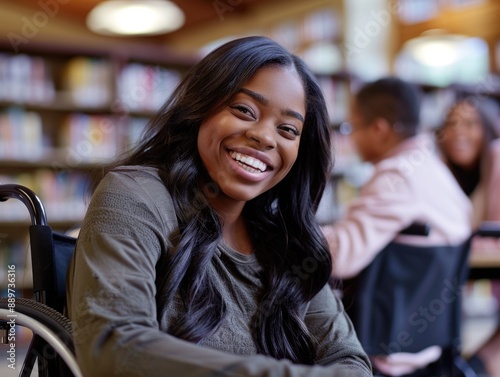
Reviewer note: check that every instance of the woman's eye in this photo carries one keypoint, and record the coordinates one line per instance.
(450, 125)
(290, 131)
(244, 110)
(472, 124)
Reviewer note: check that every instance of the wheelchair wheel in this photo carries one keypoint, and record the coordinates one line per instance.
(52, 333)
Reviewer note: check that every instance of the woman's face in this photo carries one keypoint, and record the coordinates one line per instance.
(462, 136)
(250, 145)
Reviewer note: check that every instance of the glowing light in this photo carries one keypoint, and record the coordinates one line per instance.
(436, 48)
(146, 17)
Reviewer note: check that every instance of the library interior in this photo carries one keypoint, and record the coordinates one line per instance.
(76, 93)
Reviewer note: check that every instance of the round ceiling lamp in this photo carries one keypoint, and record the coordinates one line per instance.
(131, 17)
(436, 48)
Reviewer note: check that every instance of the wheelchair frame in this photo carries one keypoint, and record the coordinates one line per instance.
(52, 342)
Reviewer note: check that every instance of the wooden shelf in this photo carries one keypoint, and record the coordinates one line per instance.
(53, 160)
(61, 105)
(61, 116)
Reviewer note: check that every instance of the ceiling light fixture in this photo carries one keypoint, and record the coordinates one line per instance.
(131, 17)
(436, 48)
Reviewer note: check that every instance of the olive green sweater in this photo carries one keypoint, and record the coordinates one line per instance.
(119, 328)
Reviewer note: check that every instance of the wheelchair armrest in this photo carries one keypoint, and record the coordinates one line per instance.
(488, 229)
(416, 229)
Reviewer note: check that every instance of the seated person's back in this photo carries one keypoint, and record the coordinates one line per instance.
(409, 184)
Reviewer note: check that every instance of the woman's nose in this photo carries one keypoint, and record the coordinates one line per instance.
(263, 134)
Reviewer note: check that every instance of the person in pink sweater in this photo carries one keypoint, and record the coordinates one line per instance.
(410, 184)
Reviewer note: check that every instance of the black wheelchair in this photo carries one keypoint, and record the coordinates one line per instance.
(410, 298)
(51, 346)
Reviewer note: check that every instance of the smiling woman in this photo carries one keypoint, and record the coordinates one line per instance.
(469, 144)
(200, 254)
(249, 146)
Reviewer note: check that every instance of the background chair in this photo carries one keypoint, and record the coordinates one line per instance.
(409, 298)
(52, 343)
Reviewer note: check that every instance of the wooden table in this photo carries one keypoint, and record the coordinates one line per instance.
(484, 266)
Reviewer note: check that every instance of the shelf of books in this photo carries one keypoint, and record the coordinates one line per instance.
(62, 114)
(348, 172)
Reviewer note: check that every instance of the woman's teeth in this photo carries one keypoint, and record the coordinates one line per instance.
(248, 163)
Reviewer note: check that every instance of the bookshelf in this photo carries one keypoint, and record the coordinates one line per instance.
(349, 172)
(63, 112)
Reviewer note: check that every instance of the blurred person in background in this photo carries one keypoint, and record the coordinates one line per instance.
(385, 131)
(469, 144)
(468, 141)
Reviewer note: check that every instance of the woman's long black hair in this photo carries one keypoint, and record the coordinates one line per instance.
(288, 242)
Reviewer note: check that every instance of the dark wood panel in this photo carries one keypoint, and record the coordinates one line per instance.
(480, 21)
(197, 12)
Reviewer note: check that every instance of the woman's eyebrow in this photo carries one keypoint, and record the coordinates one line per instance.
(264, 101)
(256, 96)
(293, 114)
